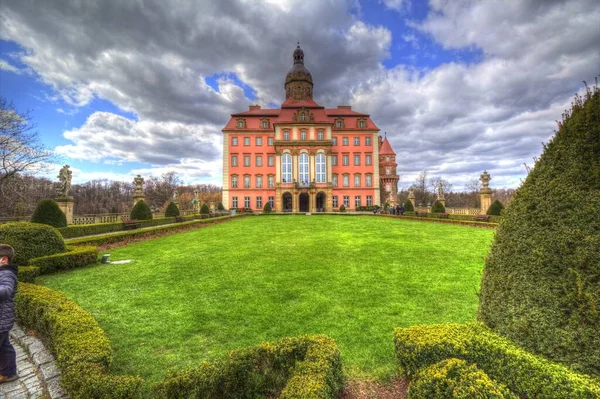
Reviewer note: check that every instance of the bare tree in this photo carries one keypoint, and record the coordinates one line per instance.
(435, 181)
(21, 149)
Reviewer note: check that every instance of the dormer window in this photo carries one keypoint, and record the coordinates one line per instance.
(264, 123)
(361, 123)
(339, 123)
(302, 116)
(241, 123)
(286, 135)
(303, 134)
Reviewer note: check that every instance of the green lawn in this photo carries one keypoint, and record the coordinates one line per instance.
(195, 295)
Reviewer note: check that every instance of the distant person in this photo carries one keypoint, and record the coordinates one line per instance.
(8, 289)
(402, 210)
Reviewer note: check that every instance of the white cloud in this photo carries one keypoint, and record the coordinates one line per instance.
(5, 66)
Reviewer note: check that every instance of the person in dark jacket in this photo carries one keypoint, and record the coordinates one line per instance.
(8, 289)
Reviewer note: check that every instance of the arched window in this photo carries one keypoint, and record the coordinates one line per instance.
(303, 168)
(321, 168)
(286, 168)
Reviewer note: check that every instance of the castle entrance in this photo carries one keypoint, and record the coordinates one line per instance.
(303, 202)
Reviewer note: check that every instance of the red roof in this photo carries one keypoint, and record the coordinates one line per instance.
(386, 148)
(308, 103)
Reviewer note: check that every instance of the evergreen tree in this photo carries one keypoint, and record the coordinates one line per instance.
(141, 211)
(495, 209)
(438, 207)
(408, 206)
(172, 210)
(48, 212)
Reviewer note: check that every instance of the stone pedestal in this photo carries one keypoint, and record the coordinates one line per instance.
(411, 198)
(442, 201)
(66, 205)
(137, 198)
(486, 200)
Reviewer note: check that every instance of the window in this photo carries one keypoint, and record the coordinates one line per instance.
(258, 202)
(259, 160)
(368, 159)
(339, 123)
(271, 181)
(320, 135)
(303, 168)
(345, 160)
(321, 168)
(246, 160)
(369, 200)
(272, 202)
(286, 135)
(357, 141)
(334, 180)
(345, 141)
(388, 187)
(334, 160)
(356, 180)
(258, 181)
(367, 140)
(246, 141)
(246, 181)
(265, 123)
(356, 159)
(259, 141)
(241, 123)
(369, 180)
(234, 161)
(346, 181)
(388, 170)
(346, 201)
(286, 168)
(234, 202)
(247, 202)
(302, 116)
(270, 160)
(335, 201)
(362, 123)
(357, 201)
(334, 139)
(234, 181)
(302, 134)
(234, 141)
(270, 141)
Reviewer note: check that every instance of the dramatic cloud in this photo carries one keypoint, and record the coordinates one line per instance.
(181, 68)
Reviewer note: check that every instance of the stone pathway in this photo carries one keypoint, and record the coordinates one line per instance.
(39, 376)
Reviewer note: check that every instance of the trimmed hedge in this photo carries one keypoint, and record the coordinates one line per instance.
(495, 209)
(126, 235)
(80, 346)
(541, 281)
(172, 210)
(299, 367)
(141, 211)
(525, 374)
(77, 256)
(27, 274)
(408, 206)
(31, 240)
(455, 378)
(438, 207)
(48, 212)
(204, 209)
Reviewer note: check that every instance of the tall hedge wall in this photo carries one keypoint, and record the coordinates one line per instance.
(541, 281)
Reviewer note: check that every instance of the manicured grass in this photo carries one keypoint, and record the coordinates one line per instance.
(195, 295)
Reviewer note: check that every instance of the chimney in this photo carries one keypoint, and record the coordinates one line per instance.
(345, 107)
(380, 140)
(253, 107)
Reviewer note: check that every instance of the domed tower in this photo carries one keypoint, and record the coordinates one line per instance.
(298, 82)
(387, 173)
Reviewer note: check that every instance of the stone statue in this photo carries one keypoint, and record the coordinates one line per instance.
(138, 181)
(485, 179)
(411, 193)
(64, 182)
(440, 190)
(175, 196)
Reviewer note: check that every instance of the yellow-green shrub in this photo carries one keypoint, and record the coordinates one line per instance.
(27, 274)
(31, 240)
(304, 367)
(525, 374)
(80, 346)
(75, 257)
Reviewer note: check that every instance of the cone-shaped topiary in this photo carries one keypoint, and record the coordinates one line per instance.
(495, 209)
(438, 207)
(267, 208)
(541, 281)
(141, 211)
(408, 206)
(220, 207)
(204, 209)
(48, 212)
(342, 208)
(31, 240)
(172, 210)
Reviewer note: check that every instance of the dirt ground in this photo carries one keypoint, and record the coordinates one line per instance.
(360, 389)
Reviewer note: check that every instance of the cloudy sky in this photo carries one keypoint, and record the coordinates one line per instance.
(121, 87)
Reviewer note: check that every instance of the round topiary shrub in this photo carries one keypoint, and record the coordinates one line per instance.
(408, 206)
(172, 210)
(438, 207)
(267, 208)
(495, 209)
(342, 208)
(48, 212)
(31, 240)
(204, 209)
(541, 281)
(141, 211)
(455, 378)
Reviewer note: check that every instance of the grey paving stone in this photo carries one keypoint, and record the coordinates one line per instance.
(42, 357)
(49, 371)
(54, 389)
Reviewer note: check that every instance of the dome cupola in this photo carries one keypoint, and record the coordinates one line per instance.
(298, 82)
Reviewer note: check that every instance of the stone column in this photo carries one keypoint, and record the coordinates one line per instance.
(411, 197)
(485, 194)
(138, 195)
(66, 206)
